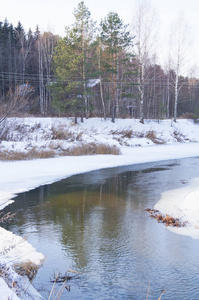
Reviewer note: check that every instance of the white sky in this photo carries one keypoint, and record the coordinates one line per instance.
(54, 15)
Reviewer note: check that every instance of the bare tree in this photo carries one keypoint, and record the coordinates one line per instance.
(178, 55)
(145, 32)
(46, 44)
(14, 101)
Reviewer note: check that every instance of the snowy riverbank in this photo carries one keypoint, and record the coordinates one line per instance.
(180, 140)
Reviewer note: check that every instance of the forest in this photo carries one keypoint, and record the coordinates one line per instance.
(104, 70)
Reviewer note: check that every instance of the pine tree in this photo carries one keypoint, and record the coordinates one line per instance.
(73, 64)
(115, 38)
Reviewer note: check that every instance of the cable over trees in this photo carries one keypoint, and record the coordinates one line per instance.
(73, 64)
(102, 70)
(115, 40)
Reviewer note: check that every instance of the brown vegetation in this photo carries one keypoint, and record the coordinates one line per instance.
(166, 219)
(128, 133)
(14, 101)
(62, 134)
(151, 135)
(27, 268)
(91, 149)
(4, 272)
(6, 217)
(37, 153)
(178, 136)
(32, 154)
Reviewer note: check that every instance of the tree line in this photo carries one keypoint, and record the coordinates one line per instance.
(101, 69)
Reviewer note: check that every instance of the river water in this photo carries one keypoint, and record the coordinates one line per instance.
(96, 224)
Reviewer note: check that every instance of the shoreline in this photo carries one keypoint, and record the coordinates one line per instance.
(20, 176)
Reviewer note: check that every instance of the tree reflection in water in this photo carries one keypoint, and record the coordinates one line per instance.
(96, 224)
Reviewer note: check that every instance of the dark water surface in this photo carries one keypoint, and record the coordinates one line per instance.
(96, 223)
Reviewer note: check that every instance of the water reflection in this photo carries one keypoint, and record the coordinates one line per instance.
(96, 223)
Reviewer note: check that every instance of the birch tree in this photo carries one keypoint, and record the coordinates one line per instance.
(145, 37)
(178, 55)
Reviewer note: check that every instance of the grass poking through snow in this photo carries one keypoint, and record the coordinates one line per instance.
(91, 149)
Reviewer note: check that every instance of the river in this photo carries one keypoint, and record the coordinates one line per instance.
(96, 224)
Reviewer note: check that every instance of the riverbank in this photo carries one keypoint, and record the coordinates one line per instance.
(20, 176)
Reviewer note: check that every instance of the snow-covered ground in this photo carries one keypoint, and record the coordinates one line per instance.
(138, 143)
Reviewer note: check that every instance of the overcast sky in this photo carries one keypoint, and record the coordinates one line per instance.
(54, 15)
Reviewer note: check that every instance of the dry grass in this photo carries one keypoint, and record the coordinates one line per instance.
(127, 133)
(36, 153)
(62, 134)
(147, 297)
(15, 132)
(54, 294)
(166, 219)
(91, 149)
(4, 272)
(32, 154)
(6, 217)
(178, 136)
(151, 135)
(188, 115)
(27, 268)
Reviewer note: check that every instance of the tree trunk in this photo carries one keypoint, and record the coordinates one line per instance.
(102, 99)
(113, 113)
(176, 97)
(41, 79)
(76, 118)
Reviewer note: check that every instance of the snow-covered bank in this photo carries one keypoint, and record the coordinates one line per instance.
(21, 176)
(58, 134)
(182, 203)
(15, 249)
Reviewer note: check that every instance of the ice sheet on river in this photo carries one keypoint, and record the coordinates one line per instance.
(182, 203)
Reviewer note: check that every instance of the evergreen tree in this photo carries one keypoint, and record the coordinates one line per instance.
(115, 39)
(73, 63)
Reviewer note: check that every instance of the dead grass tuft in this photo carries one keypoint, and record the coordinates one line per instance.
(188, 115)
(91, 149)
(35, 153)
(32, 154)
(151, 135)
(128, 133)
(83, 149)
(166, 219)
(62, 134)
(6, 217)
(178, 136)
(4, 271)
(27, 268)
